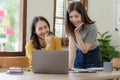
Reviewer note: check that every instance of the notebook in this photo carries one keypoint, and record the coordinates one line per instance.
(50, 61)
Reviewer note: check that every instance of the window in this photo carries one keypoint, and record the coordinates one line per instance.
(12, 34)
(60, 8)
(59, 18)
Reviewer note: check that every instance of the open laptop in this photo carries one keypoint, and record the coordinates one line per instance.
(50, 61)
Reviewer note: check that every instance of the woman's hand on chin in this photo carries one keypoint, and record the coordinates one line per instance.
(77, 29)
(48, 40)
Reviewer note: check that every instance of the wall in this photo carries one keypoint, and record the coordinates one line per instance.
(104, 13)
(39, 8)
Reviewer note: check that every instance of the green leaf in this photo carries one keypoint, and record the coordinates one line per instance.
(108, 51)
(104, 34)
(100, 34)
(107, 37)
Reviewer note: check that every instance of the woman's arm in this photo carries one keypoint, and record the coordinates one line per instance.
(28, 48)
(84, 46)
(58, 44)
(72, 51)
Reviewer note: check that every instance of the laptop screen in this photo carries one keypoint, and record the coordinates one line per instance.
(49, 61)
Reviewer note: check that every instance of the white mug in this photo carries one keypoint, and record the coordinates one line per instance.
(107, 66)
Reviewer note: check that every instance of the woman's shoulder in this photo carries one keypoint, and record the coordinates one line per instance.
(29, 43)
(91, 26)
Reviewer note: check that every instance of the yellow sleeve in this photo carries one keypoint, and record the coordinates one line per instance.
(49, 48)
(56, 44)
(29, 47)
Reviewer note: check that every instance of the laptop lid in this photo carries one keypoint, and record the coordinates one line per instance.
(50, 61)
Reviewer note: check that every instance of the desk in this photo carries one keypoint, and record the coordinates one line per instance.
(70, 76)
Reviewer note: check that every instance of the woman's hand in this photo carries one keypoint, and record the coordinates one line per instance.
(48, 40)
(77, 29)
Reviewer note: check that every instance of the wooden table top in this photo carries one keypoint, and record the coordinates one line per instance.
(71, 76)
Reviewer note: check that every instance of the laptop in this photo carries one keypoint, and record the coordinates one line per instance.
(50, 61)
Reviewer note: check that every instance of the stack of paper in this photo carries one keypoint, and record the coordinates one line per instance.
(95, 69)
(13, 70)
(88, 70)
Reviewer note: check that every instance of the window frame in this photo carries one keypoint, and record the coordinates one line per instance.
(22, 28)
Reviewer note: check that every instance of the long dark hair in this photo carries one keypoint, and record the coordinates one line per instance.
(79, 7)
(34, 37)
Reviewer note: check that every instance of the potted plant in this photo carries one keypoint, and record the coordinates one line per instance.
(108, 51)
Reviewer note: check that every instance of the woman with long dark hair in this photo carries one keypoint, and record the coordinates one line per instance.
(41, 38)
(84, 50)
